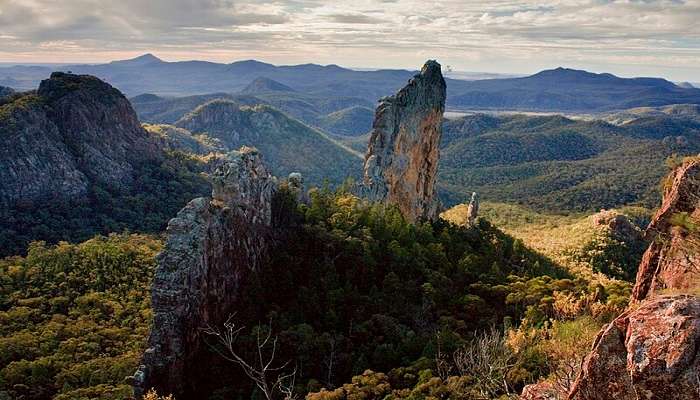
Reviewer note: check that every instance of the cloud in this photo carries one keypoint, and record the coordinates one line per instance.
(514, 35)
(355, 19)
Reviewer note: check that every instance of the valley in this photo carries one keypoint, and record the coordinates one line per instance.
(154, 242)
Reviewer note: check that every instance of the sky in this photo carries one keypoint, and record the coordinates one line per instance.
(625, 37)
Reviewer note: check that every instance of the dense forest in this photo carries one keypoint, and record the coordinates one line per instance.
(561, 165)
(357, 292)
(160, 189)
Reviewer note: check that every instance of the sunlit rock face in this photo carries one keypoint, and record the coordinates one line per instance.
(403, 154)
(651, 351)
(672, 261)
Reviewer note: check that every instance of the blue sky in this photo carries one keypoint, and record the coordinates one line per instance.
(628, 37)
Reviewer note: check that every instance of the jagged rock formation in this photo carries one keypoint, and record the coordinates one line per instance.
(402, 158)
(672, 261)
(73, 130)
(212, 244)
(652, 350)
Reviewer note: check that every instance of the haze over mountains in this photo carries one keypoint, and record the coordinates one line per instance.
(558, 89)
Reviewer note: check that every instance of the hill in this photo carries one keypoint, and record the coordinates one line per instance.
(559, 89)
(351, 121)
(558, 164)
(76, 161)
(569, 90)
(265, 85)
(311, 109)
(288, 144)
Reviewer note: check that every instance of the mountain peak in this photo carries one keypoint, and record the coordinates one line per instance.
(144, 59)
(262, 84)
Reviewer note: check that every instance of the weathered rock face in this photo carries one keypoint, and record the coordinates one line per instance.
(647, 353)
(651, 351)
(540, 391)
(402, 159)
(73, 130)
(211, 246)
(672, 261)
(473, 209)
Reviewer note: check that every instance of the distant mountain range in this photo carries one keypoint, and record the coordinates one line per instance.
(558, 89)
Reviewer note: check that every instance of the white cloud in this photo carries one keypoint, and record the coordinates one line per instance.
(624, 36)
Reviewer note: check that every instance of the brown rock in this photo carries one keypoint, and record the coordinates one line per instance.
(402, 158)
(650, 353)
(672, 261)
(540, 391)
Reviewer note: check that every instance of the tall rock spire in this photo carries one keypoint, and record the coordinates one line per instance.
(402, 158)
(212, 245)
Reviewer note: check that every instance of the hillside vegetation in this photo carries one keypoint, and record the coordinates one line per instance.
(288, 145)
(74, 318)
(379, 294)
(552, 163)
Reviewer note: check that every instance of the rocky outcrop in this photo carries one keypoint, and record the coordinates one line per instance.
(651, 351)
(72, 131)
(672, 261)
(473, 209)
(212, 244)
(402, 158)
(540, 391)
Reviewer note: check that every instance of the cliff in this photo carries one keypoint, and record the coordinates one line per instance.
(651, 350)
(673, 259)
(401, 162)
(212, 244)
(73, 130)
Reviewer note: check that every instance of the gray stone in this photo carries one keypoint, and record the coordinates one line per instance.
(403, 154)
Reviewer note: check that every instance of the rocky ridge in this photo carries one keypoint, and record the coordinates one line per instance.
(651, 350)
(402, 158)
(212, 244)
(73, 130)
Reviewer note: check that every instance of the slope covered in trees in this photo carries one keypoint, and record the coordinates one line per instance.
(288, 144)
(552, 163)
(356, 287)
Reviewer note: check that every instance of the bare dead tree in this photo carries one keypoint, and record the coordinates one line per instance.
(442, 364)
(487, 358)
(329, 362)
(273, 381)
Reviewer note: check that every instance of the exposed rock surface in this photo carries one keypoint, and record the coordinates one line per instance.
(651, 351)
(473, 209)
(540, 391)
(212, 244)
(402, 158)
(73, 130)
(672, 261)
